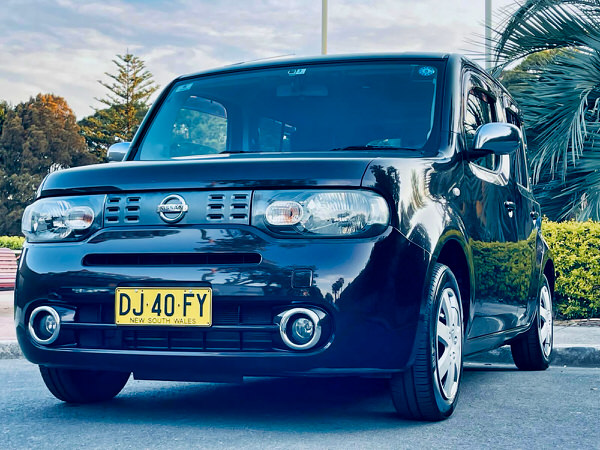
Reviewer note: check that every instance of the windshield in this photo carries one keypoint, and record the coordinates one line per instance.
(317, 107)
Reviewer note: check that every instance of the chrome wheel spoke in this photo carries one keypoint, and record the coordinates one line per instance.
(545, 332)
(449, 382)
(449, 343)
(444, 334)
(444, 364)
(545, 314)
(545, 322)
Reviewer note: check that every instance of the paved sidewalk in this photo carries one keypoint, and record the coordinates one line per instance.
(7, 328)
(574, 344)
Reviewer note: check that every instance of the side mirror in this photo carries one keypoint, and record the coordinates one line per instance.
(497, 138)
(117, 152)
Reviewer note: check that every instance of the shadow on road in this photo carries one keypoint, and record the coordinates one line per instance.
(311, 404)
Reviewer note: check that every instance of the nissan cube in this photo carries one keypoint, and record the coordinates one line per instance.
(364, 215)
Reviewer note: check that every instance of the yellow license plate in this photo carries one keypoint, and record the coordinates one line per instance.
(179, 307)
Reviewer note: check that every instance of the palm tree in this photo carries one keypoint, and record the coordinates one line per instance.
(560, 97)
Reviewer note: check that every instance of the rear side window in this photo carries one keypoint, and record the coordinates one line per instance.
(520, 165)
(272, 136)
(479, 110)
(199, 127)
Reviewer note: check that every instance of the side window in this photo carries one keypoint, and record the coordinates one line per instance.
(479, 110)
(520, 165)
(200, 127)
(273, 136)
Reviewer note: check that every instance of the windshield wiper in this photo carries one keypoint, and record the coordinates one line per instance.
(371, 147)
(234, 151)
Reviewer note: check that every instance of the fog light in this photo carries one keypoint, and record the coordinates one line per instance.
(49, 324)
(44, 325)
(300, 328)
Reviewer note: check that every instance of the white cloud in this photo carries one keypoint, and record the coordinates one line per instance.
(65, 46)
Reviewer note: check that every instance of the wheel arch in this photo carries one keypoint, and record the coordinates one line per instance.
(453, 252)
(550, 273)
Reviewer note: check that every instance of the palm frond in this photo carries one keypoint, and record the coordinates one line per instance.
(560, 97)
(544, 24)
(582, 193)
(558, 103)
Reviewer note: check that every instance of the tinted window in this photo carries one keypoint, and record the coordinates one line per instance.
(479, 110)
(200, 124)
(520, 160)
(387, 106)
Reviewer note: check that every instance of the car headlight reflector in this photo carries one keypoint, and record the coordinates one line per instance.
(328, 213)
(65, 218)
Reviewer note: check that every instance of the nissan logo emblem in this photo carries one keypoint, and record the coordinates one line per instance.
(172, 208)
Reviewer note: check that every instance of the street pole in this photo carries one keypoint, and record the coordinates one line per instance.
(324, 27)
(488, 34)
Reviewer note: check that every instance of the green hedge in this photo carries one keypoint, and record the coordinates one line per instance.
(576, 254)
(12, 242)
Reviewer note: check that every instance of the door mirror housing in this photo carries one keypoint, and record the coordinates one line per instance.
(496, 138)
(117, 152)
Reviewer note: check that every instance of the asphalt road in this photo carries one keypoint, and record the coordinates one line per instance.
(500, 407)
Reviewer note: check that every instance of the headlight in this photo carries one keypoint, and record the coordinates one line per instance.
(62, 218)
(320, 213)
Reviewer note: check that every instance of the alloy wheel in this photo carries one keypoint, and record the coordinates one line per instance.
(449, 344)
(545, 322)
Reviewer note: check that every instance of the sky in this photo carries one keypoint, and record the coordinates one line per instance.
(64, 47)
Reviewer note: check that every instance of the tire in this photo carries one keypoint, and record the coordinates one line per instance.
(83, 386)
(429, 389)
(533, 350)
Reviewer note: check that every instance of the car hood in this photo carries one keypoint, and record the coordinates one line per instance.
(226, 171)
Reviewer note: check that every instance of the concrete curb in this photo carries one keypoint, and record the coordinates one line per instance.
(562, 356)
(10, 350)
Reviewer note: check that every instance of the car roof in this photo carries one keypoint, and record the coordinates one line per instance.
(287, 61)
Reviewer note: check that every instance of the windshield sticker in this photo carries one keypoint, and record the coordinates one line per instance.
(294, 72)
(184, 87)
(426, 71)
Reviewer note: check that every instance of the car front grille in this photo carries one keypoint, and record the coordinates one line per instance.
(214, 207)
(236, 327)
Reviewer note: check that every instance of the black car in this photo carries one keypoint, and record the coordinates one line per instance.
(354, 215)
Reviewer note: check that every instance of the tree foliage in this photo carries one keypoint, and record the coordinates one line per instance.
(3, 110)
(558, 87)
(38, 137)
(129, 91)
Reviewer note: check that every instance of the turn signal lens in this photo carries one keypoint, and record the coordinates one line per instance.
(80, 218)
(284, 213)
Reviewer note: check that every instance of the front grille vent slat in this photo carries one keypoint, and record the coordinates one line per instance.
(203, 208)
(122, 210)
(170, 259)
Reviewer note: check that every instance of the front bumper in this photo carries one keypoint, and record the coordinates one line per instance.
(370, 289)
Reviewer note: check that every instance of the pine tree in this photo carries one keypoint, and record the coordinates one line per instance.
(130, 89)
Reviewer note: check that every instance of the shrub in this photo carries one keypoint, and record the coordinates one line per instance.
(575, 248)
(12, 242)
